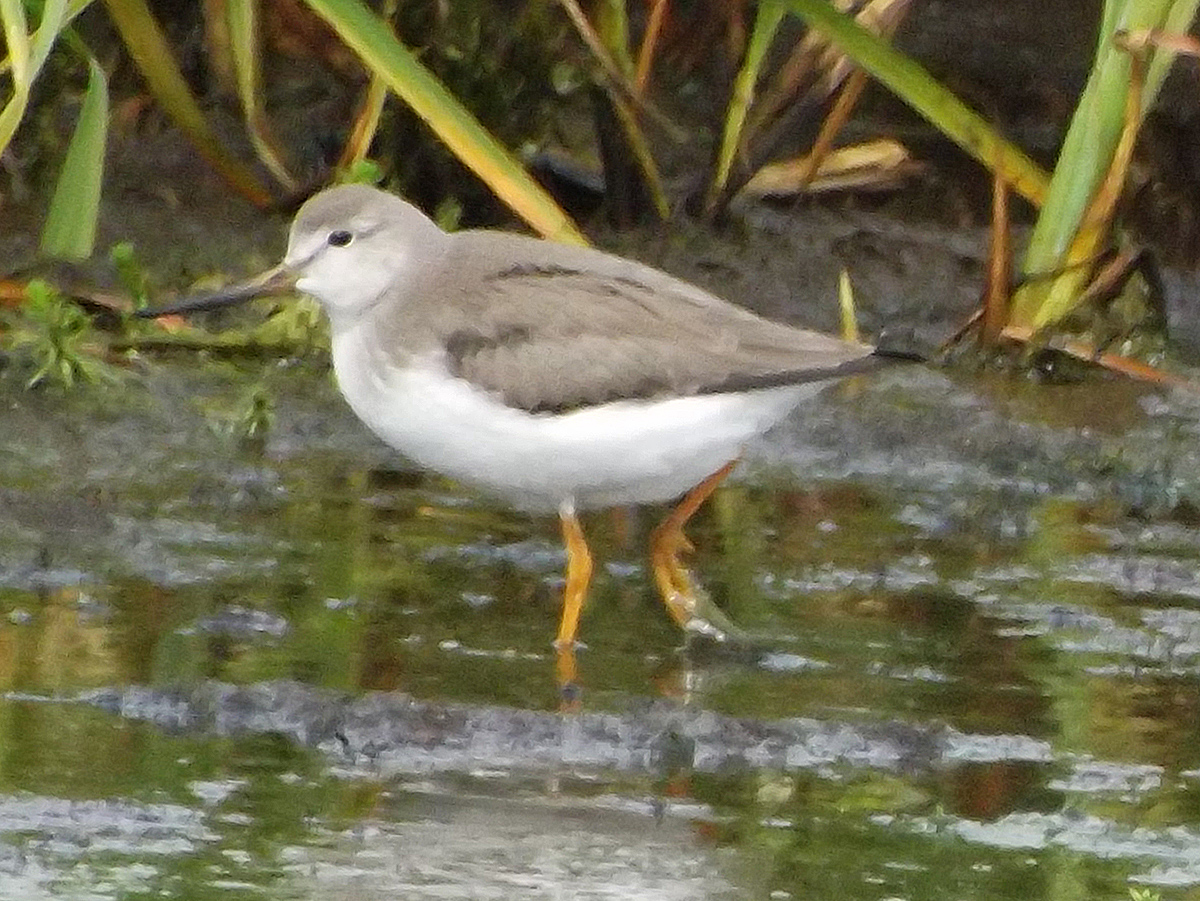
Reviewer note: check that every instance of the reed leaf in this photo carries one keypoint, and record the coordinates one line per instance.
(70, 229)
(909, 81)
(371, 38)
(1086, 157)
(242, 16)
(26, 53)
(766, 23)
(148, 46)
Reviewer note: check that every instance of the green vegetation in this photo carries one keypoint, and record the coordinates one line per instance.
(466, 61)
(54, 335)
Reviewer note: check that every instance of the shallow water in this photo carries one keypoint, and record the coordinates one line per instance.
(306, 670)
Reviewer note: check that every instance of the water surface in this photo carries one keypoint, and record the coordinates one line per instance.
(305, 669)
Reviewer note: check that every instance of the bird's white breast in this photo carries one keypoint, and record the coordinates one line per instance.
(618, 453)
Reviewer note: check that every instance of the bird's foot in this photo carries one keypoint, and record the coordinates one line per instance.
(566, 675)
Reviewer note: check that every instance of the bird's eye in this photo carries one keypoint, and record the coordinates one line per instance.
(340, 238)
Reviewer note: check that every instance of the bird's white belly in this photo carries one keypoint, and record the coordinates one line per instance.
(618, 453)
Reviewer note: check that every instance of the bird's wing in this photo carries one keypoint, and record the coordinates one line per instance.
(550, 328)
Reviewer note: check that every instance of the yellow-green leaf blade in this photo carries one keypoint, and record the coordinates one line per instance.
(766, 23)
(242, 16)
(70, 229)
(909, 81)
(368, 36)
(147, 45)
(26, 53)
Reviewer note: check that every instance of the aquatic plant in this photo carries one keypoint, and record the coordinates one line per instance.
(53, 338)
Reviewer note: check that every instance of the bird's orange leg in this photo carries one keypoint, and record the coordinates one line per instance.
(579, 575)
(667, 542)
